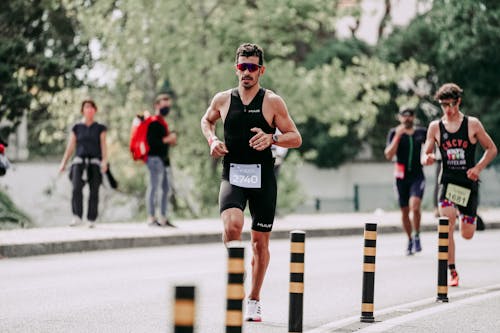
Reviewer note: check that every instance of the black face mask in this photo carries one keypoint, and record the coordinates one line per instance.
(164, 110)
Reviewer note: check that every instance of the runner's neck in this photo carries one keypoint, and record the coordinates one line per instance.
(247, 95)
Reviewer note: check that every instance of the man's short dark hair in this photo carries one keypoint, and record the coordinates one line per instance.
(448, 91)
(250, 50)
(407, 112)
(162, 97)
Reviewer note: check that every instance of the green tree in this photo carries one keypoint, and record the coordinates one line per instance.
(41, 50)
(337, 109)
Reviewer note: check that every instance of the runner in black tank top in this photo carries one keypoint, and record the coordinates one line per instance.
(250, 115)
(458, 155)
(456, 135)
(262, 201)
(404, 143)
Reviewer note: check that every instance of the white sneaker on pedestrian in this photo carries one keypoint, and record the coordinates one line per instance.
(76, 222)
(90, 225)
(253, 311)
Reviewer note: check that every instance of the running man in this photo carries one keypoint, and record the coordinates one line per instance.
(405, 142)
(456, 136)
(250, 114)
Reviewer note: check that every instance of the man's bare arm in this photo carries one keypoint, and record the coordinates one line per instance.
(428, 156)
(290, 136)
(208, 122)
(392, 147)
(490, 149)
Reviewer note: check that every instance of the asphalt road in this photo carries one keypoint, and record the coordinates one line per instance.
(132, 290)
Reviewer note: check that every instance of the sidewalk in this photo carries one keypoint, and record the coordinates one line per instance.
(42, 241)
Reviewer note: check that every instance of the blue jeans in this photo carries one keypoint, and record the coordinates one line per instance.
(157, 178)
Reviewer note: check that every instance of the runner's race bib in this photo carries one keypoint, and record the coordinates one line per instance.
(399, 170)
(457, 194)
(245, 175)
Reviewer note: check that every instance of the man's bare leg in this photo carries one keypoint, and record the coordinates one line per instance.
(260, 261)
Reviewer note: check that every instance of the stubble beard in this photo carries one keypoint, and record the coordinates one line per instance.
(249, 84)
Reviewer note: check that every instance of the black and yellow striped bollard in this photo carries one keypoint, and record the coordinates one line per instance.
(235, 288)
(184, 309)
(369, 273)
(296, 304)
(443, 242)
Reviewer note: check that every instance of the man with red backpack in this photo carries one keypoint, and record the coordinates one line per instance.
(150, 142)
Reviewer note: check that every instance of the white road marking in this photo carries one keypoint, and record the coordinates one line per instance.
(391, 323)
(408, 306)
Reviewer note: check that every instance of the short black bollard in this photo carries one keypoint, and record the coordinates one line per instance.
(369, 273)
(184, 309)
(296, 303)
(443, 232)
(235, 288)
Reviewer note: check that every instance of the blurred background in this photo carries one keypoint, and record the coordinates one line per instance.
(343, 67)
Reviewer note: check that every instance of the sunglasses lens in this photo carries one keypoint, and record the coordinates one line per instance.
(247, 66)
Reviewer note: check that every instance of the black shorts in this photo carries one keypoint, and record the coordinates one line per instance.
(471, 208)
(412, 187)
(261, 201)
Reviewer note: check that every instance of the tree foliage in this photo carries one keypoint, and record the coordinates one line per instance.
(40, 48)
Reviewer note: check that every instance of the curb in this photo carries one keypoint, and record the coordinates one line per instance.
(58, 247)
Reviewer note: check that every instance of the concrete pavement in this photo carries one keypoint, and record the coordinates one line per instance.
(42, 241)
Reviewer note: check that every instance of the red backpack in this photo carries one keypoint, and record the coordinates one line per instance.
(139, 146)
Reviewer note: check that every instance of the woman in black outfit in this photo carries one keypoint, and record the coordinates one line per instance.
(89, 163)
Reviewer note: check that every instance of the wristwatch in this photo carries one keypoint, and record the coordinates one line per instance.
(275, 138)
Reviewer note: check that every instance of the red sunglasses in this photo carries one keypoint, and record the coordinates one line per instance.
(248, 66)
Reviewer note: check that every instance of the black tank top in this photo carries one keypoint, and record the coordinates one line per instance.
(239, 120)
(457, 152)
(408, 152)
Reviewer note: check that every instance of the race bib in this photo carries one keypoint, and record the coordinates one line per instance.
(245, 175)
(399, 170)
(457, 194)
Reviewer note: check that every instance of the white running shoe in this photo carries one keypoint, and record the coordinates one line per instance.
(253, 311)
(76, 222)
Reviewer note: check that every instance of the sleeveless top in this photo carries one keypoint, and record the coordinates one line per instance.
(408, 152)
(88, 139)
(457, 152)
(239, 120)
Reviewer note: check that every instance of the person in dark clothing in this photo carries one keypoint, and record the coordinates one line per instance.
(159, 138)
(90, 162)
(250, 115)
(457, 135)
(405, 142)
(4, 161)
